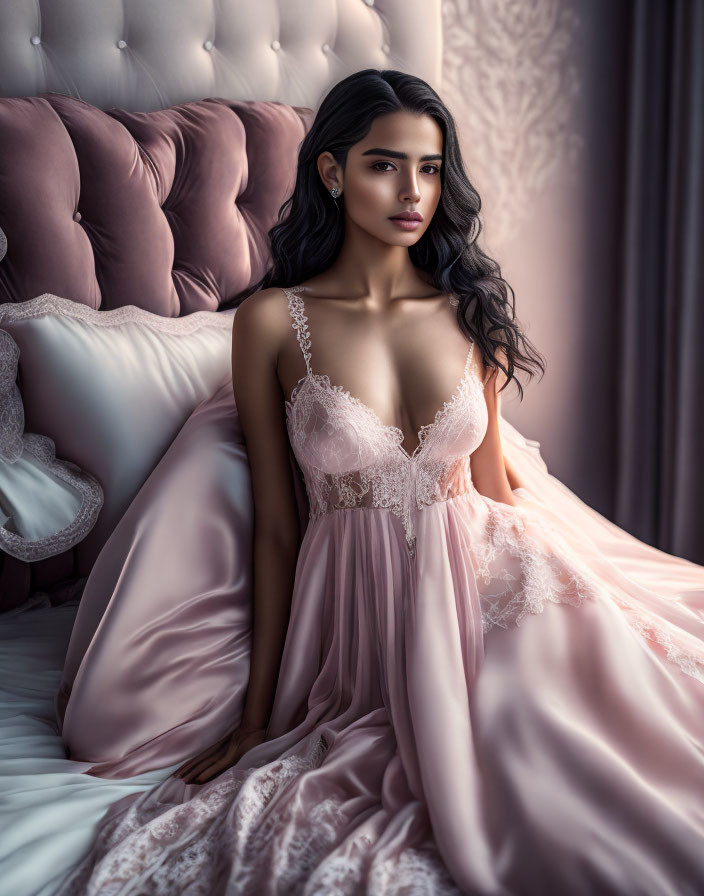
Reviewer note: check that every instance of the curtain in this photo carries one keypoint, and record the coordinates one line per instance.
(660, 465)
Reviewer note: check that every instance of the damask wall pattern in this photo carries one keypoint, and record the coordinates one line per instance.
(509, 78)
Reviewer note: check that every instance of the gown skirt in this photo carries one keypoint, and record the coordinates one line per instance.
(510, 703)
(409, 751)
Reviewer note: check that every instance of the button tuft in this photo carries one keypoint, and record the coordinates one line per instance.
(122, 44)
(275, 45)
(36, 39)
(326, 48)
(208, 45)
(76, 217)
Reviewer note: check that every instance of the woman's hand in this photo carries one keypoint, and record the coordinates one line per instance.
(219, 756)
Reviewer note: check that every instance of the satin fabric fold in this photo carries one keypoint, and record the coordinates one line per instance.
(416, 744)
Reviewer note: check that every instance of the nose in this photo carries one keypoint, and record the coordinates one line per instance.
(410, 191)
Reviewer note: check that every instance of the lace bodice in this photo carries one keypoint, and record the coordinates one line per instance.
(350, 458)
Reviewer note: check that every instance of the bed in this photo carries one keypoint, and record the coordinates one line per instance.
(119, 127)
(144, 153)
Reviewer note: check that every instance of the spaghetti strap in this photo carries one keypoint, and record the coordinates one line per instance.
(299, 321)
(469, 358)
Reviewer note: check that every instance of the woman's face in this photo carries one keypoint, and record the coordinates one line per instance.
(394, 169)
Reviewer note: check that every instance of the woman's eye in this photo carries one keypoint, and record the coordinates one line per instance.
(435, 168)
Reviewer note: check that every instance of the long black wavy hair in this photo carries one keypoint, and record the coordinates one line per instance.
(310, 229)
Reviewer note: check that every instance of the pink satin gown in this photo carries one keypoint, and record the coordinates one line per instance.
(473, 697)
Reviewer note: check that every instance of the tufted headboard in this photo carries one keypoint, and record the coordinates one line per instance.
(145, 149)
(145, 56)
(166, 210)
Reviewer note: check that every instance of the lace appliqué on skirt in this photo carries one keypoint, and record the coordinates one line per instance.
(549, 570)
(530, 566)
(233, 836)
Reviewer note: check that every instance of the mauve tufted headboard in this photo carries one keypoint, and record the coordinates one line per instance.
(164, 199)
(166, 210)
(146, 148)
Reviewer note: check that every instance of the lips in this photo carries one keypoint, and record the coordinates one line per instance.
(407, 216)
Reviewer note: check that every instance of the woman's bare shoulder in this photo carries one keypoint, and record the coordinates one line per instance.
(265, 301)
(262, 315)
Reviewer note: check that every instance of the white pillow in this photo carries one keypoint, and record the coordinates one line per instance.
(111, 389)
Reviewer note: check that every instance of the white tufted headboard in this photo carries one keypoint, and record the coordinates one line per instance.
(150, 55)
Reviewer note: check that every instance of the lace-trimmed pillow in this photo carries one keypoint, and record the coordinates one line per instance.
(108, 391)
(47, 505)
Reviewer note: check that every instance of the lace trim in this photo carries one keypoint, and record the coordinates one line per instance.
(414, 870)
(548, 569)
(323, 379)
(648, 628)
(12, 419)
(300, 324)
(551, 571)
(44, 449)
(244, 832)
(389, 481)
(390, 477)
(51, 304)
(11, 407)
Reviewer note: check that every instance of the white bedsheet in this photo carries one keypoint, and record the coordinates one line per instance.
(48, 808)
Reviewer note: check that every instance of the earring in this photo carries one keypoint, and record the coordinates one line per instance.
(334, 192)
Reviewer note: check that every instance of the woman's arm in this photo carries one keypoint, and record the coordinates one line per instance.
(258, 330)
(257, 334)
(511, 474)
(489, 473)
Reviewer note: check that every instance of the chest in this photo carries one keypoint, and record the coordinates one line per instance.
(399, 382)
(334, 432)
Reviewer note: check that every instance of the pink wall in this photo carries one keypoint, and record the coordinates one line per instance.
(538, 92)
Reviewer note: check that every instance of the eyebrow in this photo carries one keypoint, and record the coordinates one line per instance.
(397, 155)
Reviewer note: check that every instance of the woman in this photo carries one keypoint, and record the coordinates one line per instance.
(452, 689)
